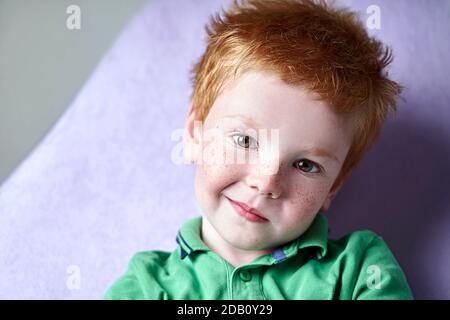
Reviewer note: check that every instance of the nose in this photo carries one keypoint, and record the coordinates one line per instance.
(266, 184)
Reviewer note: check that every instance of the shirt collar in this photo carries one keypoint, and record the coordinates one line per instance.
(188, 238)
(313, 241)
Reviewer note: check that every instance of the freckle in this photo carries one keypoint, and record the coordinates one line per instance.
(309, 199)
(305, 198)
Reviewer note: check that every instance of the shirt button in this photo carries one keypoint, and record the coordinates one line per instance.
(245, 275)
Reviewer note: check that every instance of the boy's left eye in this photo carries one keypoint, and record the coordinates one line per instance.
(245, 141)
(306, 166)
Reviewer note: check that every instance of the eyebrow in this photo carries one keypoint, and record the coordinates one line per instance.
(318, 152)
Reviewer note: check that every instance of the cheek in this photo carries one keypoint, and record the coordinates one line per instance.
(213, 179)
(308, 198)
(215, 174)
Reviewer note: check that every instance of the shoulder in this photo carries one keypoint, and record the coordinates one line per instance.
(148, 258)
(360, 238)
(368, 267)
(357, 246)
(361, 244)
(139, 280)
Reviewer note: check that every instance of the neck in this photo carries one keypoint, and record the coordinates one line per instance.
(234, 256)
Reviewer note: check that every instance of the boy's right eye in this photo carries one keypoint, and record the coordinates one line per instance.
(245, 141)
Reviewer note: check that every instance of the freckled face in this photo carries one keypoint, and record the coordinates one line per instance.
(288, 182)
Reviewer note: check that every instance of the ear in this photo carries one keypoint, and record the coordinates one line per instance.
(191, 137)
(333, 192)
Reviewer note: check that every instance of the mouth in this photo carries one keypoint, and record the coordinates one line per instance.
(246, 212)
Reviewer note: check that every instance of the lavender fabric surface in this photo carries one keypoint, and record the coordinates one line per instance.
(102, 186)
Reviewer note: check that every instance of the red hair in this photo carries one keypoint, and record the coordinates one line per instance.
(309, 43)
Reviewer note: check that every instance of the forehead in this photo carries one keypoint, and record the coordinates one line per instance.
(263, 95)
(266, 101)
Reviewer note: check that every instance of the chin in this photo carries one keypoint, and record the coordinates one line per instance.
(247, 244)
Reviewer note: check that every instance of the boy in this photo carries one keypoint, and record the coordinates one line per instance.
(310, 75)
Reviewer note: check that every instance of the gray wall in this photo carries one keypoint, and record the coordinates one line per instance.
(43, 64)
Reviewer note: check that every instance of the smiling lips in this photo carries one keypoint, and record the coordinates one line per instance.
(248, 213)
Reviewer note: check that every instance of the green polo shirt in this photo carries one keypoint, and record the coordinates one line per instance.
(357, 266)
